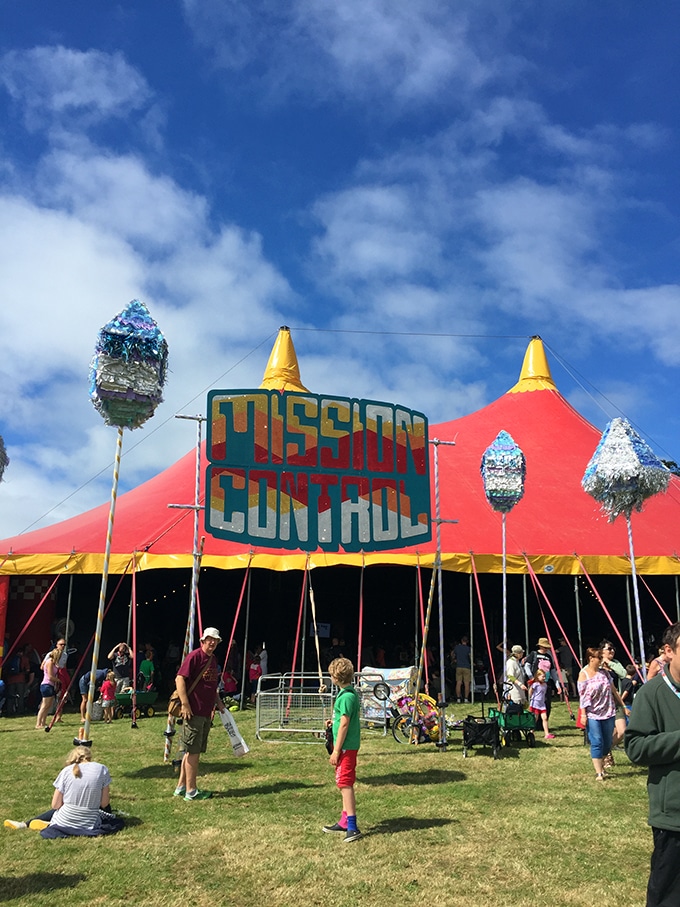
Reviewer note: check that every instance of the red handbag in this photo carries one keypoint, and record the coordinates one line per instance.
(581, 720)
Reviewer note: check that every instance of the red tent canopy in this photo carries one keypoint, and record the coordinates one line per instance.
(553, 523)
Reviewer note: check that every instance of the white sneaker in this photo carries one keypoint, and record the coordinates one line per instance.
(10, 823)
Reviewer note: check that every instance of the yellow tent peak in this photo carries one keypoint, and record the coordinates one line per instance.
(282, 372)
(535, 374)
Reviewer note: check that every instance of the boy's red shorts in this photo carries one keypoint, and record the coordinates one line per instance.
(346, 769)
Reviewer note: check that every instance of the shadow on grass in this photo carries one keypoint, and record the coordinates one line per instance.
(166, 770)
(276, 787)
(12, 887)
(408, 823)
(431, 776)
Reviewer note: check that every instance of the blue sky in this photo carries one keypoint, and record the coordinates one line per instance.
(415, 188)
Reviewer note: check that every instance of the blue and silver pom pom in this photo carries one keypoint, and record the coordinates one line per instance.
(503, 471)
(129, 368)
(624, 471)
(4, 459)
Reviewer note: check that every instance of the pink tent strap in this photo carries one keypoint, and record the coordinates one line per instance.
(42, 601)
(646, 585)
(611, 619)
(486, 631)
(238, 611)
(537, 586)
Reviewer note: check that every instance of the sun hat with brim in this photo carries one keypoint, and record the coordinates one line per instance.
(211, 632)
(545, 643)
(517, 650)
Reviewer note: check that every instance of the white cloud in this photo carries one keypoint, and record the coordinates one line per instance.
(59, 84)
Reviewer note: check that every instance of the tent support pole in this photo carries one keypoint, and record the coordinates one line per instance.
(505, 602)
(102, 592)
(68, 611)
(631, 636)
(577, 605)
(472, 643)
(527, 648)
(636, 597)
(677, 598)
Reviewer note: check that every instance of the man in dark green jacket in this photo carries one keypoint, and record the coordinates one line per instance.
(652, 738)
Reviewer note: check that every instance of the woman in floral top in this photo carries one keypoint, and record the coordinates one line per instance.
(598, 698)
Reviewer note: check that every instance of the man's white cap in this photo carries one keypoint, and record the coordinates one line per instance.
(213, 632)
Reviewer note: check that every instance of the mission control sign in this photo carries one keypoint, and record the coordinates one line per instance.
(301, 471)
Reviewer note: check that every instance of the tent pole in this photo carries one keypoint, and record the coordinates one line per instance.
(360, 641)
(441, 705)
(472, 644)
(505, 603)
(85, 730)
(677, 599)
(636, 596)
(577, 605)
(68, 611)
(630, 616)
(526, 614)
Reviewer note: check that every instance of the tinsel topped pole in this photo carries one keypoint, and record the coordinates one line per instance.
(503, 471)
(127, 375)
(622, 473)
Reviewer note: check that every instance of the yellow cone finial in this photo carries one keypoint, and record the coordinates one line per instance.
(282, 372)
(535, 374)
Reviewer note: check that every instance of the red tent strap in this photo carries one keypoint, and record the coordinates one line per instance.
(299, 621)
(486, 633)
(12, 648)
(562, 685)
(537, 585)
(238, 610)
(133, 697)
(611, 620)
(655, 599)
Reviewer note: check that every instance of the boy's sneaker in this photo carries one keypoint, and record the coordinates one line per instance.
(352, 836)
(337, 827)
(199, 795)
(10, 823)
(38, 824)
(179, 792)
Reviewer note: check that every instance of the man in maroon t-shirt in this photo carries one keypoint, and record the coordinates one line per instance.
(197, 709)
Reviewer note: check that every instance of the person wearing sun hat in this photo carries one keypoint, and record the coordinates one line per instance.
(514, 673)
(543, 659)
(196, 683)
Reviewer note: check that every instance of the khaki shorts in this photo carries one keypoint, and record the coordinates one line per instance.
(195, 734)
(463, 674)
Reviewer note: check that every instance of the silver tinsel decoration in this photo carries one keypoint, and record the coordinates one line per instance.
(503, 471)
(624, 471)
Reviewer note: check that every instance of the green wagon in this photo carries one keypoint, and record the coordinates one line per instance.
(514, 724)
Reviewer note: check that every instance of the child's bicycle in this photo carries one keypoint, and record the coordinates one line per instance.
(420, 725)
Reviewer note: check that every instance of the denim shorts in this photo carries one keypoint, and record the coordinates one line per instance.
(47, 690)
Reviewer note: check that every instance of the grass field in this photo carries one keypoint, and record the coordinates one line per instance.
(532, 827)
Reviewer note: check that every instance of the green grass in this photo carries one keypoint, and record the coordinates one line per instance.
(533, 827)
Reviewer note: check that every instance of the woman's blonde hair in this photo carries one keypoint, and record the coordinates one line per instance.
(76, 756)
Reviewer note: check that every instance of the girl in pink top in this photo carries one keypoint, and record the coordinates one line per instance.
(538, 689)
(108, 694)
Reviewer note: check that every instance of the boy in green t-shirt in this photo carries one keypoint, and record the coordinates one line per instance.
(346, 739)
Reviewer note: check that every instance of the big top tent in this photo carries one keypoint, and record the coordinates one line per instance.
(556, 526)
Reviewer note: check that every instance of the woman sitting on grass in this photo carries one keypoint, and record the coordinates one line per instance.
(80, 805)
